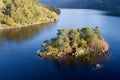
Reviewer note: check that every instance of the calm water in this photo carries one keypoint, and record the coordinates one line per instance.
(18, 59)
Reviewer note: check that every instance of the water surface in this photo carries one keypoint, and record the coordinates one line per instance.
(18, 59)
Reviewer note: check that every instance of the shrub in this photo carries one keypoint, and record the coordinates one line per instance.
(10, 22)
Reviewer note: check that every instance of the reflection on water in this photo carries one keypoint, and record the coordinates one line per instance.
(20, 34)
(18, 60)
(115, 14)
(90, 59)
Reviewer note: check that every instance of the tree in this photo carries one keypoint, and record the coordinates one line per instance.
(83, 43)
(63, 32)
(1, 5)
(62, 40)
(97, 32)
(45, 44)
(98, 45)
(87, 34)
(74, 37)
(10, 22)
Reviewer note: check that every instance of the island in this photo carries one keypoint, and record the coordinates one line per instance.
(21, 13)
(84, 45)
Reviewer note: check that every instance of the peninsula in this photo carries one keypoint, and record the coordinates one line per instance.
(20, 13)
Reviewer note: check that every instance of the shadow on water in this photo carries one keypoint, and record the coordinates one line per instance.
(20, 34)
(115, 14)
(70, 62)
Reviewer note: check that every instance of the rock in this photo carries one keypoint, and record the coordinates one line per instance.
(38, 51)
(98, 66)
(73, 54)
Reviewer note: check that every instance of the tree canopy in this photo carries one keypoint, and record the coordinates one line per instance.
(22, 12)
(74, 38)
(85, 44)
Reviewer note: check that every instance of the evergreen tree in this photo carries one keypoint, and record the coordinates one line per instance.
(97, 32)
(87, 33)
(74, 37)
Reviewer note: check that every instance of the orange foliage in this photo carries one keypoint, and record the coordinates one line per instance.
(68, 49)
(99, 44)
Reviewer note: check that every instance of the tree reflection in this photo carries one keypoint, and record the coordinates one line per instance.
(20, 34)
(89, 60)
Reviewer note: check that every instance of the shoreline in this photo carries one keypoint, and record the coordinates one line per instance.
(5, 27)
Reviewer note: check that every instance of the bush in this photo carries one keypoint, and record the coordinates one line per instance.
(10, 22)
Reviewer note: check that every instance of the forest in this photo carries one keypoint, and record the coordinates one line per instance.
(78, 43)
(17, 13)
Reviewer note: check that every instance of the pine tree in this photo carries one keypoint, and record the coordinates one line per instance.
(97, 32)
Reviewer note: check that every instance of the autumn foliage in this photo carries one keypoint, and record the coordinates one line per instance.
(99, 44)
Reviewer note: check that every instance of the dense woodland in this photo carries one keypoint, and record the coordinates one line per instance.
(75, 42)
(22, 12)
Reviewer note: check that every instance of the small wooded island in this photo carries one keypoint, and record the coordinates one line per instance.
(20, 13)
(85, 45)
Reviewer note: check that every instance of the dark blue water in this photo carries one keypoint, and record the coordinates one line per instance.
(18, 59)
